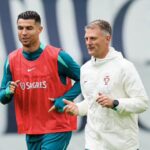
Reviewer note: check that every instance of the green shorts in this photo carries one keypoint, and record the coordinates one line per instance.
(53, 141)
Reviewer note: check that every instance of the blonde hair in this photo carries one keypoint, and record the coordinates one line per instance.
(102, 24)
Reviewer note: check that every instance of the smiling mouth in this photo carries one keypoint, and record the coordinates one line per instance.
(90, 48)
(24, 40)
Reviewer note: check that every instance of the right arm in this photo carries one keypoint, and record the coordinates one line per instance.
(80, 108)
(5, 93)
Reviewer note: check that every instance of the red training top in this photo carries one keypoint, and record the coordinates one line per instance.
(39, 80)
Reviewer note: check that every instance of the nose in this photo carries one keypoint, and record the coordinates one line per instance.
(24, 31)
(88, 41)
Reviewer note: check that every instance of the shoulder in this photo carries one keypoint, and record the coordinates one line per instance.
(127, 67)
(14, 53)
(64, 57)
(86, 65)
(126, 64)
(51, 47)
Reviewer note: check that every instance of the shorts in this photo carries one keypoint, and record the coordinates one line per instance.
(53, 141)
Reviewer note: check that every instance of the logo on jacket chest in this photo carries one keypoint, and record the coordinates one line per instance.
(106, 79)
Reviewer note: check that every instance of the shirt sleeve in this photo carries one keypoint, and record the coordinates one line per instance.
(5, 95)
(67, 67)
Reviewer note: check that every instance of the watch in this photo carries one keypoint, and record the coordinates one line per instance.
(115, 103)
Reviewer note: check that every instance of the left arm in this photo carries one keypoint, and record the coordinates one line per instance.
(67, 67)
(136, 100)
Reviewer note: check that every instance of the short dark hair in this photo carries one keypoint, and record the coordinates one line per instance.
(103, 25)
(30, 15)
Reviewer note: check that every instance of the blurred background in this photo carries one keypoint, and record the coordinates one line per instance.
(63, 22)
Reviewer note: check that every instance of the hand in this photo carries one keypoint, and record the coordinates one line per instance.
(71, 108)
(104, 101)
(13, 85)
(58, 105)
(53, 107)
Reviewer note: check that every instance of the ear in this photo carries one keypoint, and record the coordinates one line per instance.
(40, 29)
(108, 38)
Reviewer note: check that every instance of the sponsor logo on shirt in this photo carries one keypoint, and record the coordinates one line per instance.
(33, 85)
(30, 69)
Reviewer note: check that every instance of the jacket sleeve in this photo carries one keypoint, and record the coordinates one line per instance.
(82, 107)
(137, 99)
(5, 94)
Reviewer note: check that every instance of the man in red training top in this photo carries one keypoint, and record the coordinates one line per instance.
(32, 75)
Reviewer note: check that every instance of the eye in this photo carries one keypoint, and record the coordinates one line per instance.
(86, 38)
(20, 27)
(93, 38)
(29, 28)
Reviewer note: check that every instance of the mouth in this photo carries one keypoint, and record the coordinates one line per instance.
(90, 48)
(25, 39)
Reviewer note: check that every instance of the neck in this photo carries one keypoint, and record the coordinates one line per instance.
(103, 53)
(32, 48)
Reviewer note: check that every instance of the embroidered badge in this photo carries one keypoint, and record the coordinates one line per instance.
(106, 79)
